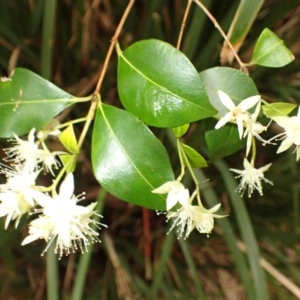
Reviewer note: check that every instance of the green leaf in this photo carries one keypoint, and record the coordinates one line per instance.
(270, 51)
(69, 161)
(278, 109)
(235, 83)
(224, 141)
(68, 139)
(158, 84)
(129, 168)
(180, 130)
(28, 101)
(195, 159)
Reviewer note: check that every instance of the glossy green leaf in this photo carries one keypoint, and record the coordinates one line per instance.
(158, 84)
(235, 83)
(27, 100)
(224, 141)
(278, 109)
(180, 130)
(195, 159)
(128, 160)
(270, 51)
(68, 139)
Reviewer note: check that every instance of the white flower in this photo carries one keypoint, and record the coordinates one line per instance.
(204, 219)
(176, 193)
(189, 217)
(62, 219)
(239, 113)
(251, 178)
(20, 180)
(291, 135)
(49, 160)
(23, 151)
(13, 207)
(254, 128)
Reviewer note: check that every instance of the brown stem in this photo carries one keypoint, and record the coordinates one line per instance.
(214, 21)
(187, 10)
(96, 97)
(113, 42)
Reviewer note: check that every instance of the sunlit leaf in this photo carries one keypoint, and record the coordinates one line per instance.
(29, 101)
(195, 159)
(278, 109)
(68, 139)
(129, 167)
(180, 130)
(270, 51)
(69, 161)
(158, 84)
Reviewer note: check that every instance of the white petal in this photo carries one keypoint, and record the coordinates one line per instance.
(247, 165)
(215, 208)
(40, 198)
(265, 168)
(67, 187)
(172, 199)
(249, 143)
(184, 198)
(286, 144)
(164, 188)
(29, 239)
(226, 100)
(240, 126)
(223, 121)
(31, 136)
(283, 122)
(249, 102)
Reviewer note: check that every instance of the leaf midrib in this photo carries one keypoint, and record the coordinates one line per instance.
(161, 87)
(123, 149)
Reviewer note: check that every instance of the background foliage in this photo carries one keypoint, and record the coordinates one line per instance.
(136, 259)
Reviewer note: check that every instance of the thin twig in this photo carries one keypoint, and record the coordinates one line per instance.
(96, 97)
(281, 278)
(214, 21)
(187, 10)
(112, 45)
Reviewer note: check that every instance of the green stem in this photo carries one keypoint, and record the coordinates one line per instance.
(47, 38)
(52, 274)
(46, 72)
(253, 151)
(179, 178)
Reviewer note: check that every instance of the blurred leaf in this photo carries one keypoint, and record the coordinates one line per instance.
(240, 26)
(224, 141)
(158, 84)
(29, 101)
(180, 130)
(278, 109)
(117, 166)
(236, 84)
(270, 51)
(68, 139)
(69, 161)
(195, 159)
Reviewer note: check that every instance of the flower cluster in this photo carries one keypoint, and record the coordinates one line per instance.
(187, 217)
(60, 217)
(240, 115)
(250, 176)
